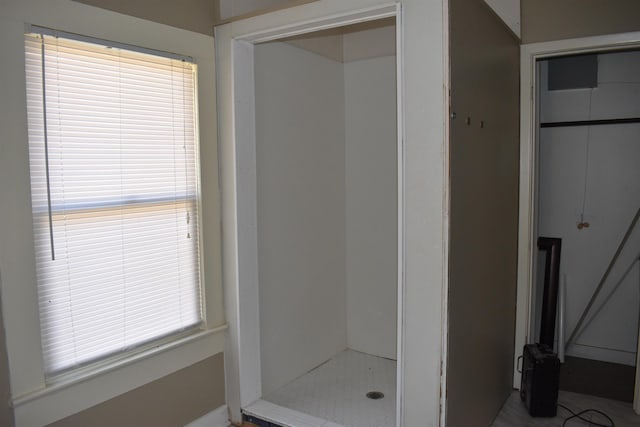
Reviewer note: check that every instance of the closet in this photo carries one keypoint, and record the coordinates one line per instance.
(326, 219)
(588, 195)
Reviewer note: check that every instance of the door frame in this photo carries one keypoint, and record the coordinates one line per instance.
(636, 390)
(529, 54)
(422, 64)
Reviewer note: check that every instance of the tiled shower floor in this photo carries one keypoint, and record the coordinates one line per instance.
(334, 394)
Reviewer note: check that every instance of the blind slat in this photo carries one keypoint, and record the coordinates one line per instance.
(122, 171)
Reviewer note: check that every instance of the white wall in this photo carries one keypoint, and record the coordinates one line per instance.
(327, 206)
(612, 198)
(371, 205)
(369, 44)
(300, 130)
(508, 11)
(231, 8)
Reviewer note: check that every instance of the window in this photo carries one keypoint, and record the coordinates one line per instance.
(113, 164)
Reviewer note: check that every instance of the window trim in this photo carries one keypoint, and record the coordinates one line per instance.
(46, 42)
(35, 402)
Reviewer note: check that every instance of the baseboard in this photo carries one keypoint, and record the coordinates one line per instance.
(604, 354)
(219, 417)
(598, 378)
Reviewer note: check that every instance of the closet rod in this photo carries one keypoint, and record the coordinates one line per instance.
(590, 122)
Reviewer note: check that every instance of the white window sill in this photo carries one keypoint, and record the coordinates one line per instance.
(61, 399)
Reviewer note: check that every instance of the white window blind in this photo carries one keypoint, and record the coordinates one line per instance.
(113, 158)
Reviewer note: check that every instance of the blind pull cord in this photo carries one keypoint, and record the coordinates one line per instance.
(46, 152)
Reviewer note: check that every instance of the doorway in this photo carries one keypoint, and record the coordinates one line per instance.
(422, 155)
(588, 193)
(326, 168)
(308, 165)
(539, 202)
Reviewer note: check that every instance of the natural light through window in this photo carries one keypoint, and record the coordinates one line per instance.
(114, 179)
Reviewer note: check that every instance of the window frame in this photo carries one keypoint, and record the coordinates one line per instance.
(35, 402)
(50, 40)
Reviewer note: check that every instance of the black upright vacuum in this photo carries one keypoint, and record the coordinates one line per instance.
(540, 365)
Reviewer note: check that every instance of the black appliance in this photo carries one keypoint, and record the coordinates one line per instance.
(540, 365)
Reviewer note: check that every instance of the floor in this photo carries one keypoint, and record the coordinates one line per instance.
(514, 414)
(334, 395)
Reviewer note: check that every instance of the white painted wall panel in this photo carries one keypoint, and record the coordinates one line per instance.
(231, 8)
(508, 11)
(613, 192)
(369, 44)
(300, 130)
(617, 94)
(371, 205)
(612, 198)
(623, 67)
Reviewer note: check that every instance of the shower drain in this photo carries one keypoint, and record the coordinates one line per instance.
(375, 395)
